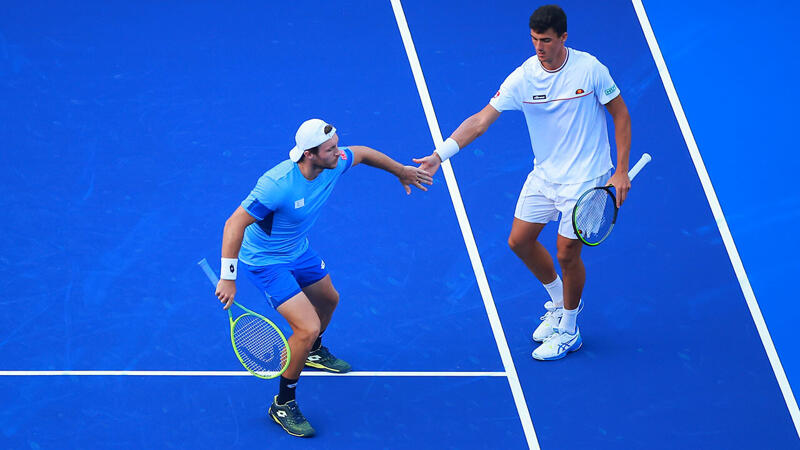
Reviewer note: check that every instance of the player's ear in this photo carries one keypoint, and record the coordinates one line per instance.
(563, 37)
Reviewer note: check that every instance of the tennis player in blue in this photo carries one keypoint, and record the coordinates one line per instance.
(268, 237)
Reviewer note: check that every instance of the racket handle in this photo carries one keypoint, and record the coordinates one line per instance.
(212, 277)
(646, 158)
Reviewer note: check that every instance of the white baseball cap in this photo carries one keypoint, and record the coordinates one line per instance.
(310, 134)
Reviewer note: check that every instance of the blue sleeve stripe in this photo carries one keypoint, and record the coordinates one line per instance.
(266, 223)
(256, 209)
(349, 161)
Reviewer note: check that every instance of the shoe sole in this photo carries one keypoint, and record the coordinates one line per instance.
(325, 368)
(286, 429)
(555, 358)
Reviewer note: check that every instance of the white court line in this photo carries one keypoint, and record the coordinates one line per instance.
(233, 373)
(466, 231)
(727, 238)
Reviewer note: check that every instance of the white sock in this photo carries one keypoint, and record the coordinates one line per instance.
(556, 291)
(569, 321)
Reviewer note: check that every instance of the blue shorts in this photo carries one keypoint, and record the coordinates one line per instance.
(280, 282)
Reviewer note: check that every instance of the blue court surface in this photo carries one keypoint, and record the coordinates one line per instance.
(130, 131)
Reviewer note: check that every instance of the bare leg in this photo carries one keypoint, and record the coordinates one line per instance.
(523, 241)
(324, 298)
(305, 323)
(572, 270)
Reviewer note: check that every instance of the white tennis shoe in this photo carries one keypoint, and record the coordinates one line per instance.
(558, 345)
(550, 320)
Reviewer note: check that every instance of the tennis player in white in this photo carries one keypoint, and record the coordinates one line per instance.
(562, 93)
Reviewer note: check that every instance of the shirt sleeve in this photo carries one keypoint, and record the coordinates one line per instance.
(509, 96)
(605, 89)
(345, 160)
(263, 199)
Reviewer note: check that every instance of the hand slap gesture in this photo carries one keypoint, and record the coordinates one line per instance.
(429, 163)
(414, 176)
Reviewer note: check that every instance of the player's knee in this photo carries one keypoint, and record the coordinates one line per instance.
(308, 330)
(568, 255)
(515, 244)
(565, 258)
(334, 298)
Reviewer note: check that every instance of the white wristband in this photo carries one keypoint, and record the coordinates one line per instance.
(447, 149)
(228, 271)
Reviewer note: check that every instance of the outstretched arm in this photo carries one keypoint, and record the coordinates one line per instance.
(622, 134)
(232, 237)
(474, 126)
(408, 175)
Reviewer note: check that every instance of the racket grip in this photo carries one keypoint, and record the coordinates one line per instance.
(646, 158)
(212, 277)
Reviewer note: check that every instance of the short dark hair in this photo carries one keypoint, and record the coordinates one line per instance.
(549, 16)
(314, 150)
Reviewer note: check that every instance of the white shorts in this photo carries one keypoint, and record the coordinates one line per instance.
(541, 201)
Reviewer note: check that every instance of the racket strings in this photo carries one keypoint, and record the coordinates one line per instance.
(595, 215)
(257, 343)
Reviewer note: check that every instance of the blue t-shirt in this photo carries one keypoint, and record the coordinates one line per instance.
(286, 205)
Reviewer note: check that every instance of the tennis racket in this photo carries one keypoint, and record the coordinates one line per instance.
(595, 213)
(258, 343)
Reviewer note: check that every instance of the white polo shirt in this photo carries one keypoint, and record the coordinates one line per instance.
(565, 115)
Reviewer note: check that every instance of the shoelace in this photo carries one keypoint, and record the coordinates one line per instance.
(553, 336)
(294, 411)
(548, 314)
(324, 353)
(556, 312)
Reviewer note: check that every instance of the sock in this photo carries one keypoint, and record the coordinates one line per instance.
(287, 389)
(556, 291)
(569, 320)
(317, 343)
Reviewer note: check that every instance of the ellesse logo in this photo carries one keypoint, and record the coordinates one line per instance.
(579, 92)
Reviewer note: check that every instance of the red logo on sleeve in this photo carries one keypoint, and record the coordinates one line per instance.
(343, 155)
(497, 94)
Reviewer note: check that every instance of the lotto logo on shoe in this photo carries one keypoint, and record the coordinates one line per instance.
(282, 413)
(313, 358)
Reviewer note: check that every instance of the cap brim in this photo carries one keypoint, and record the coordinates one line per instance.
(295, 154)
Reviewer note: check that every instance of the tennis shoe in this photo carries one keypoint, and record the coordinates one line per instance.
(322, 359)
(290, 418)
(558, 345)
(550, 320)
